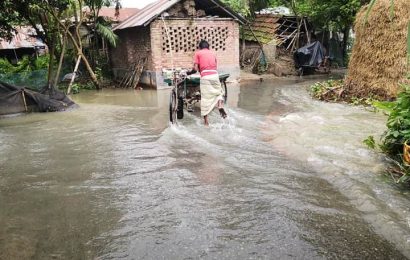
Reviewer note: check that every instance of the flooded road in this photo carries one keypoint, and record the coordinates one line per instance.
(285, 177)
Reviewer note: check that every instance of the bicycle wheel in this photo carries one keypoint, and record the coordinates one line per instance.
(226, 92)
(173, 107)
(180, 110)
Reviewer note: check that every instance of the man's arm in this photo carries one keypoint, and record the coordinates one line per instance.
(194, 70)
(196, 62)
(195, 67)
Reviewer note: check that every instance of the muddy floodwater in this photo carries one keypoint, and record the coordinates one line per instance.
(284, 177)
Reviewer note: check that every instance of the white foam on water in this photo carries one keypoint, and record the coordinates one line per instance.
(329, 137)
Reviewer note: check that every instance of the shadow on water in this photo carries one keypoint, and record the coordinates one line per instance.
(283, 177)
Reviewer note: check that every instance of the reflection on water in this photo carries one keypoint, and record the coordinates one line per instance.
(284, 177)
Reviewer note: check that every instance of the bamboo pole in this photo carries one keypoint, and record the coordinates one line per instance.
(125, 78)
(296, 39)
(77, 43)
(132, 77)
(73, 76)
(307, 31)
(260, 44)
(139, 72)
(24, 100)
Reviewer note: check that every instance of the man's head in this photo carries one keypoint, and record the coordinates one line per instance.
(203, 45)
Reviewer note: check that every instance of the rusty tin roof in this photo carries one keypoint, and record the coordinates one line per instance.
(146, 15)
(123, 13)
(25, 37)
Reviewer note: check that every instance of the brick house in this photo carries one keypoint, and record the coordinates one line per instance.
(167, 34)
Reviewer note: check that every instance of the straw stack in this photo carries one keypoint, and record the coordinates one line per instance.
(378, 62)
(176, 10)
(189, 6)
(183, 9)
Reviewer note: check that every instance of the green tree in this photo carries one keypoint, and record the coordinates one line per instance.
(52, 20)
(8, 18)
(336, 15)
(247, 7)
(31, 12)
(100, 31)
(240, 6)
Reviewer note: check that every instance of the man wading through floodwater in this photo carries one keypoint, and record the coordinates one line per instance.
(211, 88)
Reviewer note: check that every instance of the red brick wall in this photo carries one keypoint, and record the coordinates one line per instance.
(133, 43)
(150, 41)
(220, 33)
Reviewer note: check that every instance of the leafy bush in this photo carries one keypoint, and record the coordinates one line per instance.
(77, 87)
(397, 133)
(398, 123)
(103, 68)
(6, 67)
(30, 72)
(41, 62)
(26, 64)
(320, 90)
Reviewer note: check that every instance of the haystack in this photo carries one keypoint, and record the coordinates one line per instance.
(378, 62)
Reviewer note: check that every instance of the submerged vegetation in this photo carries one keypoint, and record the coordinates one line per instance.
(336, 91)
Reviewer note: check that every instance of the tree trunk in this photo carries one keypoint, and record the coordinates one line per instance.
(50, 64)
(346, 31)
(77, 42)
(90, 71)
(60, 63)
(80, 53)
(80, 50)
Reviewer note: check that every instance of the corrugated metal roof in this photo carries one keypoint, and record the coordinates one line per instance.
(111, 14)
(152, 11)
(123, 13)
(146, 14)
(24, 38)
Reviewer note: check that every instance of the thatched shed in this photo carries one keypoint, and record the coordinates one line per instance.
(378, 62)
(278, 35)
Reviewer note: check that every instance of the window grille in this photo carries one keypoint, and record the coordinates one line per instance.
(186, 39)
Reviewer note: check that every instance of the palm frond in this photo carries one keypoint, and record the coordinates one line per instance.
(391, 10)
(107, 33)
(369, 9)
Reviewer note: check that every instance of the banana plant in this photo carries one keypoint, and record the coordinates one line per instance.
(106, 32)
